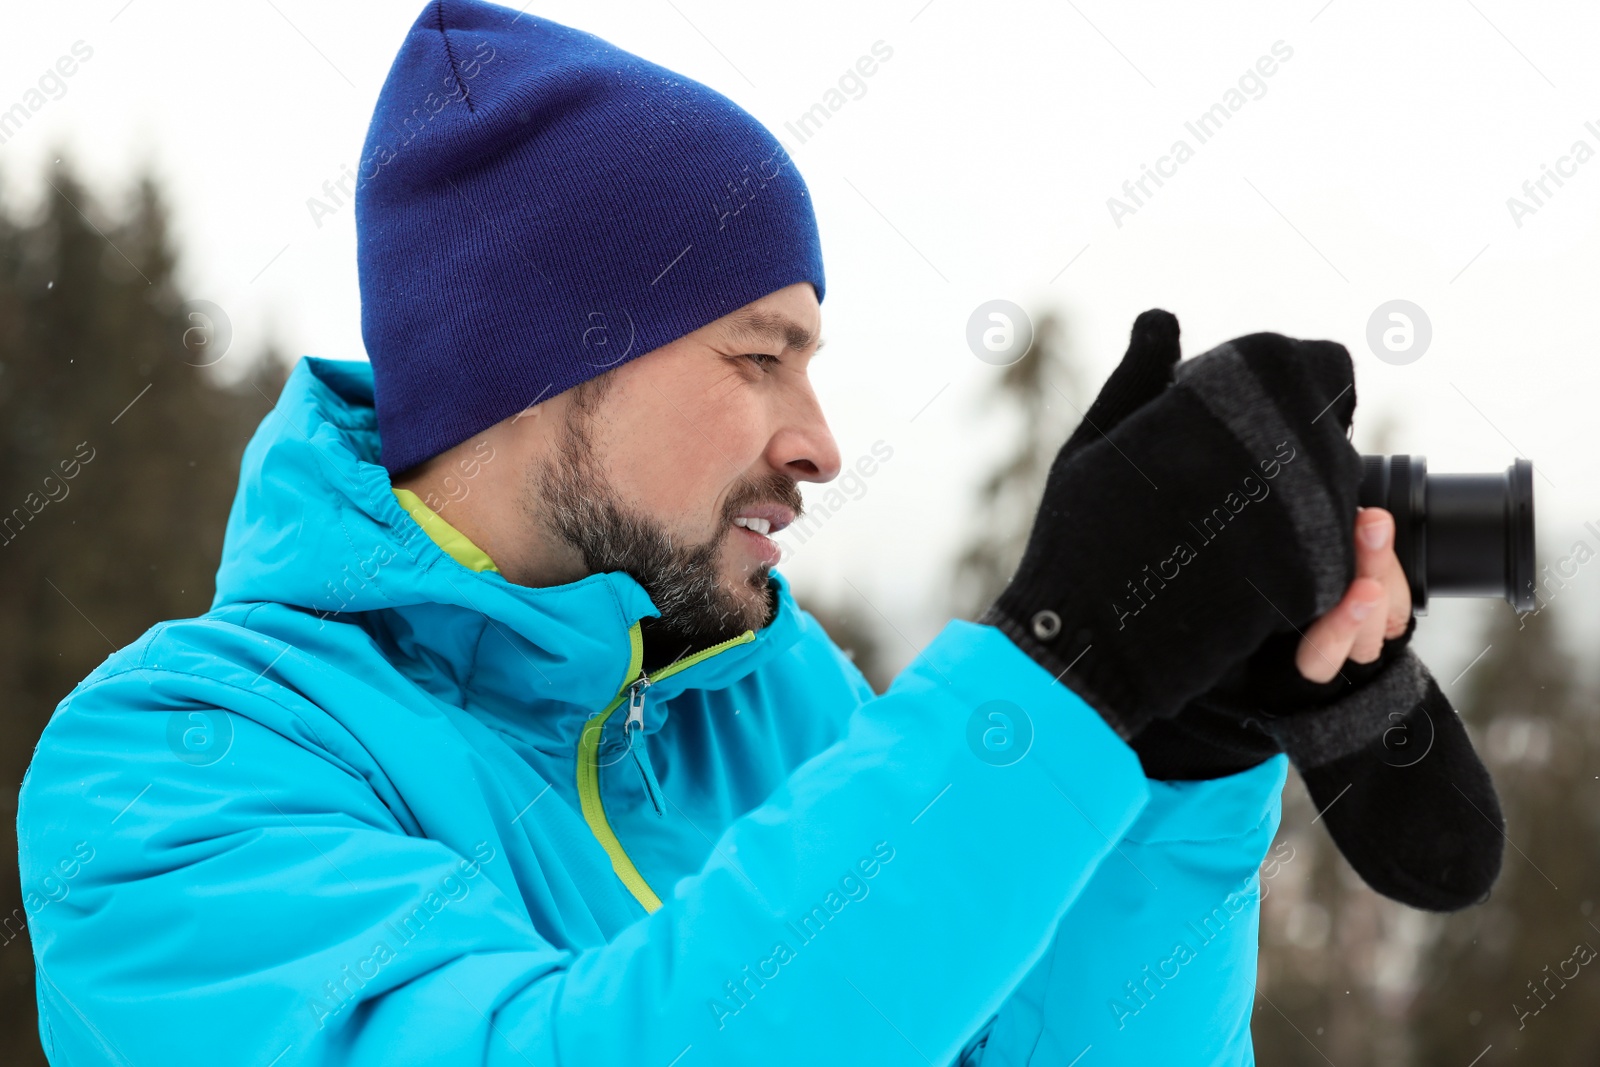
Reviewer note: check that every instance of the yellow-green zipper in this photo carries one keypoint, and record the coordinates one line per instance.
(594, 812)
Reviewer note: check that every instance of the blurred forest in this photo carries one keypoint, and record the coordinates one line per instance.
(124, 415)
(123, 424)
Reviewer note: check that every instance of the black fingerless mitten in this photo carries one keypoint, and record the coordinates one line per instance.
(1245, 718)
(1414, 810)
(1383, 754)
(1169, 547)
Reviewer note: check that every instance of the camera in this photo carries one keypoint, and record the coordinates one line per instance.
(1457, 534)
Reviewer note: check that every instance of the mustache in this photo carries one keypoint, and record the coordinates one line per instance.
(773, 489)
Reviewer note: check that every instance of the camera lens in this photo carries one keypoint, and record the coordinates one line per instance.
(1457, 534)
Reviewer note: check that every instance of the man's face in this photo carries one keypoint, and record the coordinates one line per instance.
(677, 465)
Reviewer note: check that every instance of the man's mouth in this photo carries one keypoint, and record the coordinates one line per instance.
(758, 521)
(764, 519)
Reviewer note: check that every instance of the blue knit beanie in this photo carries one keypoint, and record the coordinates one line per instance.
(535, 205)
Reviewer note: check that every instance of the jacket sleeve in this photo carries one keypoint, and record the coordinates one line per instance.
(877, 908)
(1156, 959)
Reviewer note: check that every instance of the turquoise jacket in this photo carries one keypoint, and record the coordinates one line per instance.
(380, 808)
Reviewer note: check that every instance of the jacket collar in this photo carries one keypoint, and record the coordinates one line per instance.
(315, 525)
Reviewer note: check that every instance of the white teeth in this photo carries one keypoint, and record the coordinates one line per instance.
(760, 526)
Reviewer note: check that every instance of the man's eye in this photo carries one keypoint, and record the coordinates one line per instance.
(763, 359)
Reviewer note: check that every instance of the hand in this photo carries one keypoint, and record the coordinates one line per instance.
(1381, 750)
(1197, 510)
(1420, 824)
(1357, 628)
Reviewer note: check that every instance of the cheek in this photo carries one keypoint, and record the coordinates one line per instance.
(682, 462)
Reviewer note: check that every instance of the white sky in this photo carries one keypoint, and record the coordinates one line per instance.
(1376, 166)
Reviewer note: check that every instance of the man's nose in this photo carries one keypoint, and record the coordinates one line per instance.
(805, 449)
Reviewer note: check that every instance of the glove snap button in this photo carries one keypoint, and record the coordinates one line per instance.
(1046, 625)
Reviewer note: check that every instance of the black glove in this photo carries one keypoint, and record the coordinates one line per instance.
(1167, 548)
(1382, 752)
(1425, 827)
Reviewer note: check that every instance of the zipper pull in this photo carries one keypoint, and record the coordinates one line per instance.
(635, 721)
(636, 705)
(652, 788)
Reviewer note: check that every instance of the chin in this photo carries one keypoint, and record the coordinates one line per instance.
(751, 590)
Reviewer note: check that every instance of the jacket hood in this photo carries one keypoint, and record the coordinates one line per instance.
(315, 526)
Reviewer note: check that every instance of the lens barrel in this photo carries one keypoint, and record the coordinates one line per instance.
(1457, 534)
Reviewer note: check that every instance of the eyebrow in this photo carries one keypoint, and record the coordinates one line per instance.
(761, 326)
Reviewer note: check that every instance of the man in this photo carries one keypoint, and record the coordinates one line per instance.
(503, 743)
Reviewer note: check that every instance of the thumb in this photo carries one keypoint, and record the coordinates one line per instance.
(1145, 370)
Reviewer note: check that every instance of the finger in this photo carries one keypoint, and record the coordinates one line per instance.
(1327, 642)
(1369, 635)
(1376, 559)
(1398, 617)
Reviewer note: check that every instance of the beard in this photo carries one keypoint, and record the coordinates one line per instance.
(577, 503)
